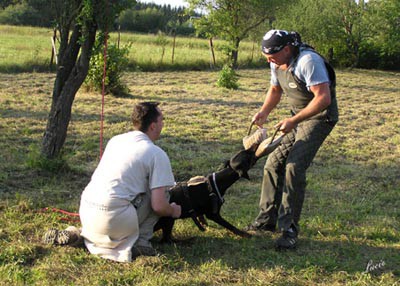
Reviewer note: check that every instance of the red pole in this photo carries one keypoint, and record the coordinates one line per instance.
(103, 91)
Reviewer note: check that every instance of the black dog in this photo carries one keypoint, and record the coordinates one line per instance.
(205, 195)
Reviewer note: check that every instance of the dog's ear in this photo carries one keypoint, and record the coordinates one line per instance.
(223, 165)
(226, 164)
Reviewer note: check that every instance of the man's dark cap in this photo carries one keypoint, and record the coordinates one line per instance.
(275, 40)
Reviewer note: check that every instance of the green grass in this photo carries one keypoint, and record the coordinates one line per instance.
(350, 215)
(27, 49)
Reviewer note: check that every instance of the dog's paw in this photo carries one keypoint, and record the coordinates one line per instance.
(202, 220)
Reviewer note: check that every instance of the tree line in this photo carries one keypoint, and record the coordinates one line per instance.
(350, 33)
(151, 18)
(141, 17)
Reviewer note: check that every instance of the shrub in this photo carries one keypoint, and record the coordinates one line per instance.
(16, 15)
(117, 62)
(228, 78)
(25, 15)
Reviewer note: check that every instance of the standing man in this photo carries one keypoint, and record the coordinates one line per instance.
(128, 191)
(309, 84)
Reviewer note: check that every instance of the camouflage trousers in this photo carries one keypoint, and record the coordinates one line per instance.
(284, 180)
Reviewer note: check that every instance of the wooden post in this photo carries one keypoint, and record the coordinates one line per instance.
(53, 48)
(173, 46)
(119, 35)
(252, 53)
(212, 64)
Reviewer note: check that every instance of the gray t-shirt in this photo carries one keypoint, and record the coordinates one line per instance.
(131, 164)
(309, 68)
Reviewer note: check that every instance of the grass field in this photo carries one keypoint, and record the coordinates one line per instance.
(350, 227)
(26, 49)
(351, 212)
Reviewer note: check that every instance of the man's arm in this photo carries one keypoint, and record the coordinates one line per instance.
(272, 99)
(321, 100)
(161, 206)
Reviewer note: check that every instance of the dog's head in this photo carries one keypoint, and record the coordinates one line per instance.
(243, 161)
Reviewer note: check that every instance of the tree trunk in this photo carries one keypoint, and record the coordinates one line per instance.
(71, 73)
(235, 53)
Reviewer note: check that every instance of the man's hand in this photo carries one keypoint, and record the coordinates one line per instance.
(177, 210)
(259, 118)
(286, 125)
(161, 206)
(273, 97)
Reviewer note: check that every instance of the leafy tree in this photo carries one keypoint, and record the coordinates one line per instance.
(151, 18)
(383, 45)
(233, 20)
(5, 3)
(77, 22)
(351, 15)
(147, 20)
(27, 12)
(17, 14)
(336, 25)
(312, 19)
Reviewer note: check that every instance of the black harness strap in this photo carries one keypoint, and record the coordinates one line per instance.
(215, 196)
(192, 212)
(217, 189)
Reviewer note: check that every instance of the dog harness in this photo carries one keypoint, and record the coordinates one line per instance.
(191, 211)
(217, 190)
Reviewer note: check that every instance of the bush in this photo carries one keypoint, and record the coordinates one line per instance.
(149, 20)
(228, 78)
(25, 15)
(185, 30)
(117, 62)
(16, 15)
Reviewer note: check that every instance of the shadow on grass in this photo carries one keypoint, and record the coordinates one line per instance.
(205, 102)
(77, 116)
(260, 253)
